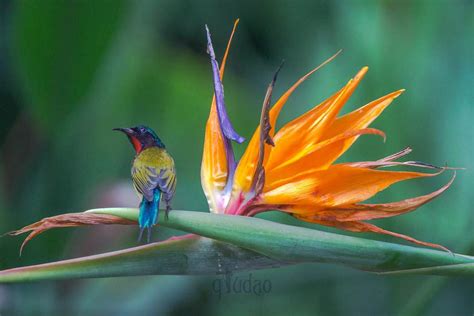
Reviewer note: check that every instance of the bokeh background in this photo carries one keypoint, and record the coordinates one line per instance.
(70, 71)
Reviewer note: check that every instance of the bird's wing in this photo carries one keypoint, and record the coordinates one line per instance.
(167, 182)
(145, 180)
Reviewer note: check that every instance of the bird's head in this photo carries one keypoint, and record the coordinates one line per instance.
(141, 137)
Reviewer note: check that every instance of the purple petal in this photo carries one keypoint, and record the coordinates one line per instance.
(226, 126)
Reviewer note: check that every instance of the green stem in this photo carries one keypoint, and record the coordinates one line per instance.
(243, 243)
(298, 244)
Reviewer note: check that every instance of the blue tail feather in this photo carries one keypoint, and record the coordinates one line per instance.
(149, 214)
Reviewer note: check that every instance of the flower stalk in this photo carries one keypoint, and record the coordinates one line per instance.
(236, 246)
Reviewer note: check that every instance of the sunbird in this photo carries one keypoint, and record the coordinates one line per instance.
(153, 175)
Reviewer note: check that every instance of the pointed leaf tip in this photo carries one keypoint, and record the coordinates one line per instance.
(68, 220)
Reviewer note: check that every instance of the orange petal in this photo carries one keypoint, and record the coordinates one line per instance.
(247, 165)
(359, 119)
(319, 155)
(382, 161)
(300, 134)
(359, 212)
(362, 117)
(390, 162)
(227, 49)
(338, 185)
(214, 169)
(357, 226)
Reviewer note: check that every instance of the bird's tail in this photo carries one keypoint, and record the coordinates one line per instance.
(148, 214)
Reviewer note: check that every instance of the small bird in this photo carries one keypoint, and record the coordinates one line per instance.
(153, 175)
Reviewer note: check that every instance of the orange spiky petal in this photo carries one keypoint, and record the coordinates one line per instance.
(322, 154)
(308, 129)
(359, 227)
(361, 117)
(360, 212)
(338, 185)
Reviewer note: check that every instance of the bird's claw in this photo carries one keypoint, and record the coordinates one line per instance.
(167, 210)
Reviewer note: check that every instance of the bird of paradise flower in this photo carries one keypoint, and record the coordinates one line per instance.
(293, 170)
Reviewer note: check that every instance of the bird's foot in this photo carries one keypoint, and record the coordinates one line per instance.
(140, 235)
(167, 211)
(148, 234)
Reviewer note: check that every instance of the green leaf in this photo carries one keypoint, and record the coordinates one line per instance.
(298, 244)
(244, 243)
(189, 256)
(466, 269)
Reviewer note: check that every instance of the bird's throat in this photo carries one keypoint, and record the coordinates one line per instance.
(136, 144)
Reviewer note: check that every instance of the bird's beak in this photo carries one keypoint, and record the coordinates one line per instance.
(127, 131)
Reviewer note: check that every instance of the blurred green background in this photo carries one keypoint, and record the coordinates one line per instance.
(70, 71)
